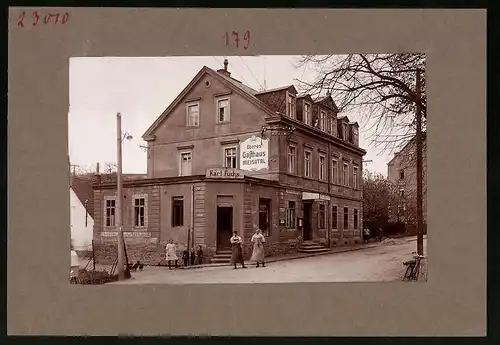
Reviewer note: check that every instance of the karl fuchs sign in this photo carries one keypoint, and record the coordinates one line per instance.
(224, 173)
(254, 154)
(126, 234)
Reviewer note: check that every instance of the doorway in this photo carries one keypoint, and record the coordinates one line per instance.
(224, 227)
(265, 216)
(307, 231)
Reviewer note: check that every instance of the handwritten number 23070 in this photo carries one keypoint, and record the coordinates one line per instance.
(234, 36)
(54, 18)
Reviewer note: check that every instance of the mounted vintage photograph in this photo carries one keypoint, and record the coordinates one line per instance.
(248, 169)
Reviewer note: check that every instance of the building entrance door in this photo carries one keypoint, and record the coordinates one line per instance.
(307, 230)
(224, 227)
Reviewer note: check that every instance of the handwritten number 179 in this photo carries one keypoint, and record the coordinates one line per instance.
(235, 37)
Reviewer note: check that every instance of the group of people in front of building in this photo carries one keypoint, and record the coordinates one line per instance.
(189, 257)
(196, 257)
(367, 235)
(258, 254)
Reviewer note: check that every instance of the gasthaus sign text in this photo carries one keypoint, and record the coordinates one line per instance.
(254, 154)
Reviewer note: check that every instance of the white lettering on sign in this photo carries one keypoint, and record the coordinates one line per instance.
(224, 173)
(291, 191)
(254, 154)
(126, 234)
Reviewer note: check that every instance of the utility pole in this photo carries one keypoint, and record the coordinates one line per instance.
(420, 230)
(119, 199)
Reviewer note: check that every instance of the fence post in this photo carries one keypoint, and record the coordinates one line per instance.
(93, 256)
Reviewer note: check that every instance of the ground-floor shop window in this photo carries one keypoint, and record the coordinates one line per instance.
(265, 216)
(346, 218)
(290, 215)
(355, 218)
(334, 217)
(322, 216)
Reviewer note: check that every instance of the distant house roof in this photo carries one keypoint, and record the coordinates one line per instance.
(407, 145)
(82, 186)
(277, 89)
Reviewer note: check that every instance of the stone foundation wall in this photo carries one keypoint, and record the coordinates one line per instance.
(271, 249)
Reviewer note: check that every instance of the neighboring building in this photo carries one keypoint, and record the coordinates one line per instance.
(215, 164)
(402, 172)
(81, 213)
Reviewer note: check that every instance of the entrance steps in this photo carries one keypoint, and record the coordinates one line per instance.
(222, 257)
(312, 247)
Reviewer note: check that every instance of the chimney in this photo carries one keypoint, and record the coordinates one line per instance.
(97, 175)
(328, 93)
(224, 71)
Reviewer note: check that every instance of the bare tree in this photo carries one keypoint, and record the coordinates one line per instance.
(110, 170)
(378, 87)
(378, 195)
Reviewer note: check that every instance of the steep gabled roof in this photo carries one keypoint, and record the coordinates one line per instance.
(232, 83)
(82, 186)
(407, 145)
(343, 118)
(328, 102)
(278, 89)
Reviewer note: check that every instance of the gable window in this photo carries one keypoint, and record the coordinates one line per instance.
(334, 217)
(345, 134)
(333, 126)
(291, 159)
(223, 114)
(401, 174)
(291, 106)
(346, 218)
(322, 120)
(139, 211)
(307, 163)
(290, 215)
(193, 114)
(177, 211)
(307, 113)
(355, 137)
(345, 176)
(355, 221)
(355, 177)
(322, 167)
(110, 212)
(334, 171)
(322, 216)
(230, 157)
(186, 159)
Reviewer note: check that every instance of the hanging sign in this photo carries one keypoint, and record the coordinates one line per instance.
(254, 154)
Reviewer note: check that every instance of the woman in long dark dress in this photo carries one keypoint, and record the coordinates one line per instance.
(237, 250)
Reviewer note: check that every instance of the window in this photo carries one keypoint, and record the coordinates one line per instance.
(307, 163)
(402, 193)
(334, 217)
(223, 110)
(230, 157)
(355, 177)
(346, 218)
(177, 211)
(186, 163)
(322, 168)
(139, 212)
(345, 134)
(193, 114)
(345, 176)
(291, 106)
(264, 216)
(290, 215)
(401, 174)
(355, 137)
(291, 159)
(322, 120)
(110, 212)
(307, 113)
(334, 171)
(333, 126)
(322, 216)
(355, 221)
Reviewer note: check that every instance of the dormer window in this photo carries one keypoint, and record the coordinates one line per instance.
(333, 126)
(322, 120)
(307, 113)
(291, 106)
(345, 133)
(355, 137)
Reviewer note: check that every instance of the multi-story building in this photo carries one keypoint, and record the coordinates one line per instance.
(402, 172)
(223, 157)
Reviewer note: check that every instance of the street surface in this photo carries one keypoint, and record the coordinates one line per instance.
(382, 263)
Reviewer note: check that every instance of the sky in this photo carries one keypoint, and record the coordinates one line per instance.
(141, 88)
